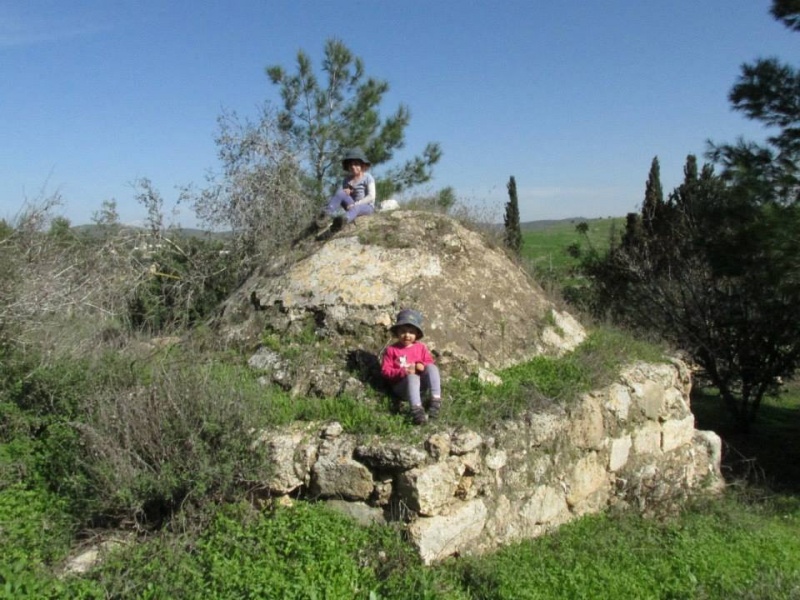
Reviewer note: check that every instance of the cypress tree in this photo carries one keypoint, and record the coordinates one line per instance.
(513, 232)
(653, 198)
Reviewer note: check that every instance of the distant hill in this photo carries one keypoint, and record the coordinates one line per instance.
(97, 230)
(547, 223)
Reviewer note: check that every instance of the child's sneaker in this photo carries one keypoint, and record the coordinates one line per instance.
(418, 415)
(435, 407)
(322, 221)
(338, 223)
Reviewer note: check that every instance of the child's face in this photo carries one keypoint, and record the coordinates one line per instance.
(355, 168)
(406, 334)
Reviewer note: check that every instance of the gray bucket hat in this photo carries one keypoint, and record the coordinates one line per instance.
(354, 154)
(409, 316)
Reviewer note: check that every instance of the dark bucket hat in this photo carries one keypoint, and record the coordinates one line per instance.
(409, 316)
(354, 154)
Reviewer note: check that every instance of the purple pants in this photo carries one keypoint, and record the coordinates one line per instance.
(340, 200)
(411, 387)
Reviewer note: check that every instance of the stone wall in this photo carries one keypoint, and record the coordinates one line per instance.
(630, 445)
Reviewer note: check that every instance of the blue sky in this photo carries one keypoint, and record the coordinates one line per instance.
(572, 98)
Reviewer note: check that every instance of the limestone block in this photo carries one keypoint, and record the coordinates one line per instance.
(676, 402)
(650, 396)
(344, 478)
(545, 427)
(438, 537)
(503, 524)
(464, 441)
(707, 457)
(472, 462)
(390, 456)
(332, 430)
(265, 359)
(565, 335)
(620, 449)
(486, 377)
(290, 460)
(539, 467)
(438, 446)
(676, 433)
(336, 475)
(586, 477)
(361, 513)
(647, 439)
(383, 492)
(428, 489)
(96, 554)
(466, 489)
(586, 428)
(496, 459)
(547, 505)
(619, 401)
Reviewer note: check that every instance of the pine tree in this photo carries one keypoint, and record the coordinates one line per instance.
(513, 232)
(338, 111)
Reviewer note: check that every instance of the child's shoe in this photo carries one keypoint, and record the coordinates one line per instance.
(418, 415)
(322, 221)
(338, 223)
(435, 407)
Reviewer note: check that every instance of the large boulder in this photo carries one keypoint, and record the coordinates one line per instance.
(339, 296)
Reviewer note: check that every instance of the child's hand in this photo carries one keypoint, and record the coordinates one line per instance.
(411, 369)
(420, 367)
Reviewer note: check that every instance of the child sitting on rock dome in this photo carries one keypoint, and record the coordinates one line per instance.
(408, 366)
(356, 196)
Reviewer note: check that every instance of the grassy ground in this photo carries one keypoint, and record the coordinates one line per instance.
(172, 433)
(768, 456)
(745, 545)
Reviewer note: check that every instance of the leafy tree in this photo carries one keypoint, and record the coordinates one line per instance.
(513, 232)
(339, 110)
(718, 275)
(60, 228)
(107, 218)
(787, 11)
(767, 91)
(716, 269)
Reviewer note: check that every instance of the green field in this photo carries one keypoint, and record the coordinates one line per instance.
(544, 249)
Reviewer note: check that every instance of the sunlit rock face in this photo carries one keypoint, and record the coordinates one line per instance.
(481, 310)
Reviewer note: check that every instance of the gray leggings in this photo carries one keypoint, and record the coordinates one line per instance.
(352, 210)
(410, 387)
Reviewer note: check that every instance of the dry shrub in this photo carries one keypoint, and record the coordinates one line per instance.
(260, 195)
(185, 437)
(76, 293)
(49, 280)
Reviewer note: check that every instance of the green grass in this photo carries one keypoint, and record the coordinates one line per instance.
(769, 455)
(743, 546)
(543, 380)
(545, 250)
(199, 411)
(729, 548)
(722, 550)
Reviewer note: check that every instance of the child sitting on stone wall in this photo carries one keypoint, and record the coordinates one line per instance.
(408, 366)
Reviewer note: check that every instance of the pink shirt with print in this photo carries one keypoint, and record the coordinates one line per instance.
(397, 357)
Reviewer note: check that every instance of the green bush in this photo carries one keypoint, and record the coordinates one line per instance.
(187, 281)
(301, 552)
(35, 535)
